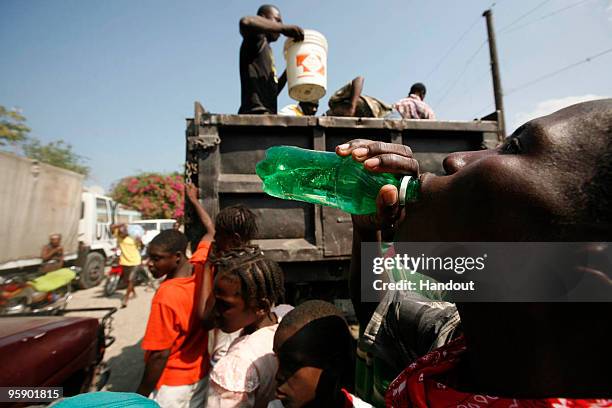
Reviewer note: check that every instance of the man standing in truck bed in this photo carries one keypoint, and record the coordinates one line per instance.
(259, 84)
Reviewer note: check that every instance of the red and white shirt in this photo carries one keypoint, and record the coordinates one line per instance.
(413, 107)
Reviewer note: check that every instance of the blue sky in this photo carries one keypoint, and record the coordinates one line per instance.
(117, 78)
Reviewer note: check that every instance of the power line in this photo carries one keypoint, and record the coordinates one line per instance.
(544, 17)
(483, 110)
(478, 81)
(543, 77)
(461, 37)
(502, 31)
(451, 49)
(467, 65)
(523, 16)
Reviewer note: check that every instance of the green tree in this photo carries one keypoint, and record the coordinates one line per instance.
(12, 126)
(57, 153)
(155, 195)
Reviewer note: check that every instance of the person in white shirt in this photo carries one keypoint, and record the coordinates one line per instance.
(247, 288)
(413, 106)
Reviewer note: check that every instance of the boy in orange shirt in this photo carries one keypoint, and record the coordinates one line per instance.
(175, 342)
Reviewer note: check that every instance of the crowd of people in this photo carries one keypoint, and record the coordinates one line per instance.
(220, 334)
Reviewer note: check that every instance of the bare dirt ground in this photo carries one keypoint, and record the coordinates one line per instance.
(125, 357)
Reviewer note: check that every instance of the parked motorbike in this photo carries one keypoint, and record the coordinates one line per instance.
(48, 293)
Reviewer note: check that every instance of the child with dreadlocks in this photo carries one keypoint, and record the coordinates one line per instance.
(246, 290)
(234, 228)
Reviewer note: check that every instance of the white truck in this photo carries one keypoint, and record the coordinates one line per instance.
(37, 200)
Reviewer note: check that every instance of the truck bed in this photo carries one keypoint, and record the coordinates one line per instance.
(222, 151)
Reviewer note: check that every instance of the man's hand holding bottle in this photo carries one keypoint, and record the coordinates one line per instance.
(380, 157)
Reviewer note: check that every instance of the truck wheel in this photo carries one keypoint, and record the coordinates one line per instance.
(110, 286)
(93, 271)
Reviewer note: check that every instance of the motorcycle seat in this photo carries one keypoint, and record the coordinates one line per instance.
(53, 280)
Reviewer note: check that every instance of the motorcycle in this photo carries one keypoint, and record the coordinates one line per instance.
(48, 293)
(115, 275)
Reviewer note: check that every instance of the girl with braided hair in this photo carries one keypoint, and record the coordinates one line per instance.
(247, 290)
(233, 228)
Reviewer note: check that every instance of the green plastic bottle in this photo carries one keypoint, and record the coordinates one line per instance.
(292, 173)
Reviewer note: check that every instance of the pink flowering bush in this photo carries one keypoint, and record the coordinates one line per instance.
(154, 195)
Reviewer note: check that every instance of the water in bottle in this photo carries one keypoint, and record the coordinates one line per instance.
(325, 178)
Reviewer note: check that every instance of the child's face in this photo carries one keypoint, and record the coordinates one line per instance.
(232, 313)
(299, 388)
(296, 384)
(161, 263)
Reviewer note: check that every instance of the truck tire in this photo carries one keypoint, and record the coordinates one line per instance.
(93, 271)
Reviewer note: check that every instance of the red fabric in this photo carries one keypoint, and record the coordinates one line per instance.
(173, 325)
(199, 261)
(348, 399)
(417, 386)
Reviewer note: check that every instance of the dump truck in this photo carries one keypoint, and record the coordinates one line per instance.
(36, 200)
(312, 243)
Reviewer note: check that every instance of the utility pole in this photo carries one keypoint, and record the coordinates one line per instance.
(497, 87)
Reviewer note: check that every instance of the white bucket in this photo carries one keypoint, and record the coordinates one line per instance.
(307, 67)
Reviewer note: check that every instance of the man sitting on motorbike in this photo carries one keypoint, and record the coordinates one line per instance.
(52, 254)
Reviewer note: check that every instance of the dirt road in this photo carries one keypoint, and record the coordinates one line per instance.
(125, 357)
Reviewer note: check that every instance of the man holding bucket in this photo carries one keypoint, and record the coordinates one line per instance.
(259, 84)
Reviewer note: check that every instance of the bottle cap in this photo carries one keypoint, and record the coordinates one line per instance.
(403, 188)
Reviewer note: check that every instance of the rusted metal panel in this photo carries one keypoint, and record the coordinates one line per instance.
(277, 219)
(202, 165)
(292, 250)
(490, 140)
(244, 146)
(338, 232)
(318, 135)
(209, 157)
(239, 183)
(352, 123)
(395, 136)
(257, 120)
(325, 270)
(336, 136)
